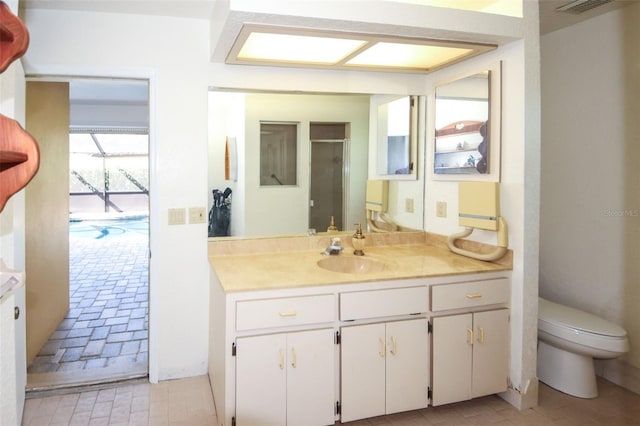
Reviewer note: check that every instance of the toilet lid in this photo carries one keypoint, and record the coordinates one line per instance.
(574, 318)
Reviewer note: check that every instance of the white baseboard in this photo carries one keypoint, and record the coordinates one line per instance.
(520, 400)
(620, 373)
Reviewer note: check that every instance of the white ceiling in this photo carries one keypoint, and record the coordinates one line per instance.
(550, 18)
(92, 90)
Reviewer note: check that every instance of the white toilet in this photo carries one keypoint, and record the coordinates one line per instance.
(568, 341)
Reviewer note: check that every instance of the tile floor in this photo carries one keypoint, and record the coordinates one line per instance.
(107, 323)
(188, 402)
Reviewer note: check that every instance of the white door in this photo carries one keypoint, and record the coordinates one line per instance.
(363, 371)
(407, 365)
(311, 378)
(261, 380)
(452, 344)
(490, 352)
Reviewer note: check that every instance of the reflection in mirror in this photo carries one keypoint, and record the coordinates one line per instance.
(467, 118)
(462, 109)
(278, 148)
(332, 162)
(396, 137)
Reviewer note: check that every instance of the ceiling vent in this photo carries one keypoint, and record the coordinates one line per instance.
(580, 6)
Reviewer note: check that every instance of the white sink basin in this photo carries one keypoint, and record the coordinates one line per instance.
(351, 265)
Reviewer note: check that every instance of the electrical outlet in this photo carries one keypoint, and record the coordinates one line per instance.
(197, 215)
(408, 205)
(177, 216)
(441, 209)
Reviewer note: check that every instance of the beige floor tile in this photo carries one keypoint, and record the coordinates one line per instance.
(188, 402)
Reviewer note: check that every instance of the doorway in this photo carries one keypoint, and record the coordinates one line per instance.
(103, 336)
(328, 175)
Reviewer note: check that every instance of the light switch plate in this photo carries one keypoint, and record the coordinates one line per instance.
(441, 209)
(197, 215)
(408, 205)
(177, 216)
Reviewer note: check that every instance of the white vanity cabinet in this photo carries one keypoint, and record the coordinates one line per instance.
(470, 354)
(286, 378)
(384, 368)
(384, 365)
(314, 355)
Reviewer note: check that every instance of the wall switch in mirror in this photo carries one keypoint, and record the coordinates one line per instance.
(408, 205)
(177, 216)
(441, 209)
(197, 215)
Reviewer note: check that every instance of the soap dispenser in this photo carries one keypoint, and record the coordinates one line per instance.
(332, 226)
(358, 241)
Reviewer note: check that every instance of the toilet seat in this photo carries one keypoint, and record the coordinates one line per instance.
(580, 327)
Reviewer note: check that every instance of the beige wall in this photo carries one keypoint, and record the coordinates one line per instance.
(47, 214)
(590, 226)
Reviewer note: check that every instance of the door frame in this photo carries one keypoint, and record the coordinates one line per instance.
(70, 73)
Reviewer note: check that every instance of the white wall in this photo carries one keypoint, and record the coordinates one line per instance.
(172, 53)
(590, 226)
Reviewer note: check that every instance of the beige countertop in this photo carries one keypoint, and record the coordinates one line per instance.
(299, 268)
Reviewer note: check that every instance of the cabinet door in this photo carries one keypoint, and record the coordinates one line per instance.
(261, 380)
(490, 352)
(311, 378)
(407, 365)
(363, 350)
(452, 343)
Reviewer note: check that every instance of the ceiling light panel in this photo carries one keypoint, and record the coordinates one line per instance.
(260, 46)
(408, 56)
(286, 46)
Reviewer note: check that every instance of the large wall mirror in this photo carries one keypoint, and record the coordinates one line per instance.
(467, 127)
(333, 162)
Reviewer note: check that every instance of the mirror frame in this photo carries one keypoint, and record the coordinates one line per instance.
(376, 139)
(494, 131)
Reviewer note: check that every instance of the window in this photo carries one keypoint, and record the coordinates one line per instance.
(278, 153)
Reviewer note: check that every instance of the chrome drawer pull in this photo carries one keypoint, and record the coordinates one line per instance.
(288, 314)
(474, 295)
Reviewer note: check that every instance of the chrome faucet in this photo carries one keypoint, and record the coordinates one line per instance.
(334, 249)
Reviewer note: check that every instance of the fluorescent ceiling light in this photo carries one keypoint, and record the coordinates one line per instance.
(409, 56)
(285, 46)
(296, 48)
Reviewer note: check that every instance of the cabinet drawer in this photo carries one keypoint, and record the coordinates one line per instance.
(383, 303)
(469, 294)
(286, 311)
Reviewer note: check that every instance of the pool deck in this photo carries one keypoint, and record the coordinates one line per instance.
(104, 336)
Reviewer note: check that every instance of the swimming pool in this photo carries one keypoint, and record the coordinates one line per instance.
(101, 229)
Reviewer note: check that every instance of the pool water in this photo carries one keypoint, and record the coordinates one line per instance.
(101, 229)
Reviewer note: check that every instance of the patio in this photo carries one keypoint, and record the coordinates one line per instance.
(104, 336)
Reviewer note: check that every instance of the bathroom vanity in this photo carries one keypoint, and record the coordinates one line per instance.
(292, 342)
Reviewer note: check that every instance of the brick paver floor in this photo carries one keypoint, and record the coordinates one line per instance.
(107, 323)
